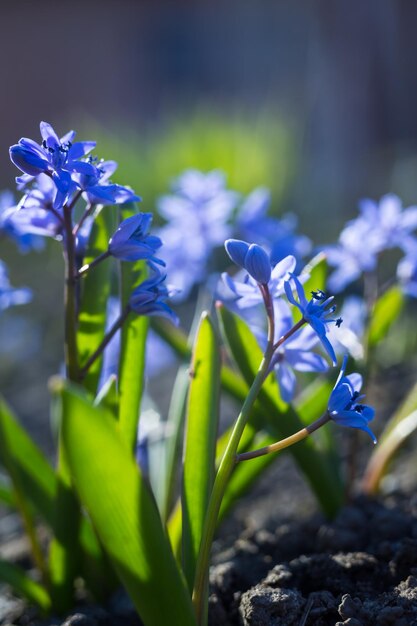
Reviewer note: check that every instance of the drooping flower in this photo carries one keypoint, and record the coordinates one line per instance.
(315, 312)
(9, 296)
(56, 157)
(132, 240)
(149, 298)
(344, 407)
(250, 257)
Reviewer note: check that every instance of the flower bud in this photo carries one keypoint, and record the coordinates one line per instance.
(257, 264)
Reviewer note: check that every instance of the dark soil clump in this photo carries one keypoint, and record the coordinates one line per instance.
(359, 570)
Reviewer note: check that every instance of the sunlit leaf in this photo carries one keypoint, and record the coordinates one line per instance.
(123, 512)
(386, 311)
(200, 441)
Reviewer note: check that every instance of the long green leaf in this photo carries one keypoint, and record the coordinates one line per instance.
(200, 441)
(25, 586)
(282, 419)
(386, 311)
(95, 293)
(123, 512)
(36, 476)
(398, 429)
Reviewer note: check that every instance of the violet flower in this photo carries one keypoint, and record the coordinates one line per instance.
(56, 157)
(149, 298)
(344, 408)
(132, 240)
(315, 312)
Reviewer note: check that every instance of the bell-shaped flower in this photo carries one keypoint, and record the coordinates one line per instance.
(132, 240)
(315, 312)
(149, 298)
(344, 407)
(250, 257)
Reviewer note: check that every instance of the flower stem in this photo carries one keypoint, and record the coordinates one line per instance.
(287, 335)
(108, 337)
(85, 268)
(88, 211)
(71, 354)
(225, 469)
(285, 443)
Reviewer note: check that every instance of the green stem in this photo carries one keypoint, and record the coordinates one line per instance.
(71, 353)
(285, 443)
(225, 469)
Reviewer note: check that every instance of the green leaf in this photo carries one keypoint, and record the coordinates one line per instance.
(175, 423)
(6, 495)
(20, 455)
(17, 578)
(95, 292)
(200, 441)
(386, 311)
(123, 512)
(282, 420)
(398, 429)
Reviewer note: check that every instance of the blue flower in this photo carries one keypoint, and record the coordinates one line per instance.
(9, 296)
(98, 188)
(344, 408)
(33, 214)
(56, 157)
(277, 235)
(132, 240)
(198, 215)
(245, 294)
(149, 297)
(251, 257)
(315, 312)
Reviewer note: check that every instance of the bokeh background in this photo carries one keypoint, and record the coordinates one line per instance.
(316, 100)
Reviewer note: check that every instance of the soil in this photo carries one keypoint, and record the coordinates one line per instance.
(358, 570)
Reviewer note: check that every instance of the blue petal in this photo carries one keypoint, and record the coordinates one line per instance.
(257, 264)
(237, 249)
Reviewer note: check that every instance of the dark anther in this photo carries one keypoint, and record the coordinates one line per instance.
(44, 144)
(339, 322)
(359, 408)
(355, 395)
(318, 295)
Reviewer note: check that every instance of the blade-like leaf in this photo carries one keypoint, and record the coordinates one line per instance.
(283, 420)
(175, 422)
(200, 441)
(398, 429)
(386, 311)
(35, 474)
(95, 293)
(123, 512)
(25, 586)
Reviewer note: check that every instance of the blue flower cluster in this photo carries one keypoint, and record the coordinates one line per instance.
(201, 214)
(263, 283)
(379, 226)
(57, 173)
